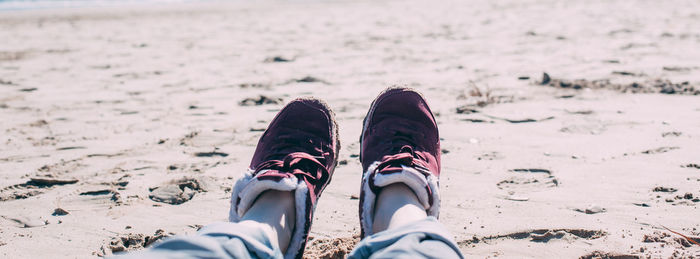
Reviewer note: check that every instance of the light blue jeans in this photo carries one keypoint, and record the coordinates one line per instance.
(422, 239)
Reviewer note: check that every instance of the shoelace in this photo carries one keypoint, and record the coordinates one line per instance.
(406, 156)
(299, 164)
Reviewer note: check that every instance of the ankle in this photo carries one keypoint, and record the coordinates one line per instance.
(274, 212)
(396, 205)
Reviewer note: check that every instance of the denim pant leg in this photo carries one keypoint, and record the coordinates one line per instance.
(423, 239)
(217, 240)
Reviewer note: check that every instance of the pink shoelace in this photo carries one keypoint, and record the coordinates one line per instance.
(300, 164)
(406, 156)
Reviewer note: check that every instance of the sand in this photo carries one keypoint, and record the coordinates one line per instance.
(125, 125)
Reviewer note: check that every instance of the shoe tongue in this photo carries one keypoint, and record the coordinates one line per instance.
(406, 149)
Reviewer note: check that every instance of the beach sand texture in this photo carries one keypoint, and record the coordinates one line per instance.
(122, 126)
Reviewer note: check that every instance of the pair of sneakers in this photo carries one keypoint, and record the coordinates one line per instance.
(299, 150)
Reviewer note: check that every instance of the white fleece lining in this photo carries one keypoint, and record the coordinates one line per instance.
(298, 239)
(249, 188)
(368, 200)
(408, 176)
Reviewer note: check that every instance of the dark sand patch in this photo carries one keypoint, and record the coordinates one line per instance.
(210, 154)
(6, 82)
(671, 134)
(260, 100)
(608, 255)
(50, 181)
(538, 235)
(664, 189)
(309, 79)
(278, 59)
(667, 194)
(696, 166)
(659, 150)
(658, 85)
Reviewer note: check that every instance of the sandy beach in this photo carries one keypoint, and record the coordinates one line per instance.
(569, 128)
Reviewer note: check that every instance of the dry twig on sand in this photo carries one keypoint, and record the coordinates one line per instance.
(478, 98)
(694, 240)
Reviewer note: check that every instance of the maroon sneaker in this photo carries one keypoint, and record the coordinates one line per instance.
(399, 144)
(298, 152)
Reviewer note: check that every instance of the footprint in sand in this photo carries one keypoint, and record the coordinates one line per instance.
(537, 235)
(48, 176)
(655, 242)
(180, 191)
(108, 194)
(33, 187)
(130, 242)
(528, 180)
(330, 247)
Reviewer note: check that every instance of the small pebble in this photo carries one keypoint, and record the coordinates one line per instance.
(59, 212)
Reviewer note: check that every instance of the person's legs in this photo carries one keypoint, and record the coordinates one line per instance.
(293, 163)
(272, 205)
(400, 200)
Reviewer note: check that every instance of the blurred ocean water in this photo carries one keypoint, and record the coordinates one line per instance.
(10, 5)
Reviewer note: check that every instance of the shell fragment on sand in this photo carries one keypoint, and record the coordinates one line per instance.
(517, 198)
